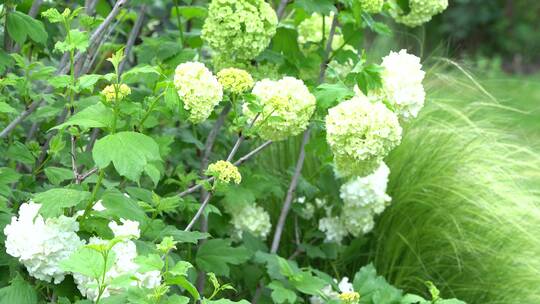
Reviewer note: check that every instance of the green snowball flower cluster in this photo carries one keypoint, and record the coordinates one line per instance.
(113, 92)
(198, 88)
(420, 12)
(287, 106)
(371, 6)
(236, 81)
(310, 30)
(239, 29)
(224, 172)
(360, 134)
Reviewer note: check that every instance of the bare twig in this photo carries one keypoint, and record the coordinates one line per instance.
(64, 66)
(324, 63)
(281, 8)
(290, 193)
(208, 146)
(74, 168)
(135, 31)
(34, 9)
(88, 174)
(299, 164)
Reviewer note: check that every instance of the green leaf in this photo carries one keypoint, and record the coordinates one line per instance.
(306, 283)
(138, 73)
(172, 101)
(76, 40)
(20, 26)
(19, 152)
(57, 175)
(216, 256)
(323, 7)
(53, 15)
(190, 12)
(373, 288)
(129, 152)
(328, 95)
(88, 81)
(88, 262)
(19, 291)
(184, 283)
(286, 42)
(94, 116)
(149, 263)
(6, 108)
(55, 200)
(118, 205)
(8, 176)
(181, 268)
(281, 294)
(224, 301)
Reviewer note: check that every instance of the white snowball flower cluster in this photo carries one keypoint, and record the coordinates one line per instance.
(344, 286)
(334, 229)
(360, 134)
(402, 83)
(253, 219)
(420, 11)
(125, 252)
(368, 192)
(198, 88)
(363, 199)
(41, 244)
(287, 106)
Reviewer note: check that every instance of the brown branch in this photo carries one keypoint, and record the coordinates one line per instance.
(281, 8)
(64, 66)
(135, 31)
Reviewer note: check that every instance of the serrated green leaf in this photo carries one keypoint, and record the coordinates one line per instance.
(130, 153)
(54, 201)
(281, 294)
(88, 262)
(20, 26)
(57, 175)
(149, 262)
(6, 108)
(19, 291)
(95, 116)
(138, 73)
(184, 283)
(216, 256)
(323, 7)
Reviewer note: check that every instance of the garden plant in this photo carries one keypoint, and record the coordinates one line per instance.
(252, 151)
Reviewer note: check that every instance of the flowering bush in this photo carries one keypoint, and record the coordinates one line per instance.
(136, 170)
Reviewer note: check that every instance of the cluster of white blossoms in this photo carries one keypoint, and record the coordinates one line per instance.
(253, 219)
(363, 199)
(419, 12)
(125, 253)
(344, 287)
(287, 106)
(361, 133)
(41, 244)
(198, 88)
(402, 83)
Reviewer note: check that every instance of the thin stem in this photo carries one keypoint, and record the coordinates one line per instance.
(150, 109)
(199, 212)
(237, 163)
(179, 22)
(290, 193)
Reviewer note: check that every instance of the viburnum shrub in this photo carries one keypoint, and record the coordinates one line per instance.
(130, 137)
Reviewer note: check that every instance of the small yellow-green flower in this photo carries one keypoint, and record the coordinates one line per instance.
(350, 297)
(110, 92)
(372, 6)
(235, 80)
(224, 172)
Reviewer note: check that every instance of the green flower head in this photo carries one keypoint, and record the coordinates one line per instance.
(239, 29)
(420, 12)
